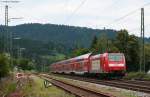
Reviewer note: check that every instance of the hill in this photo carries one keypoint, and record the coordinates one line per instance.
(51, 38)
(47, 39)
(67, 35)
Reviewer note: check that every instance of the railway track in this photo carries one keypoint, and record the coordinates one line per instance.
(139, 86)
(78, 91)
(137, 82)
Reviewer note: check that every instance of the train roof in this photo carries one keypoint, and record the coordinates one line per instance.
(96, 56)
(78, 58)
(85, 56)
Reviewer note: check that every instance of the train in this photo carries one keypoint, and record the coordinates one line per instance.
(104, 65)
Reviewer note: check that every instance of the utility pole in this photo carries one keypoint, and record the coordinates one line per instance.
(21, 52)
(6, 30)
(126, 42)
(105, 49)
(7, 34)
(107, 45)
(142, 55)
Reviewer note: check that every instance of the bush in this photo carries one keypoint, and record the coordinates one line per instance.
(4, 65)
(25, 64)
(7, 86)
(146, 77)
(137, 76)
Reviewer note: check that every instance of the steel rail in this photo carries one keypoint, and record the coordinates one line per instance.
(74, 89)
(130, 85)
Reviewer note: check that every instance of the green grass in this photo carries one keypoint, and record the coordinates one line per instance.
(7, 86)
(37, 89)
(32, 87)
(137, 75)
(117, 93)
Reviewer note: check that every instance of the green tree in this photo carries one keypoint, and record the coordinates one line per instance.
(122, 40)
(25, 64)
(129, 45)
(111, 46)
(4, 65)
(94, 42)
(79, 52)
(102, 43)
(133, 53)
(147, 56)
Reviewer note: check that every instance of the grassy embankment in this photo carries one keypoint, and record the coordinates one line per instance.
(7, 86)
(31, 87)
(137, 76)
(38, 90)
(102, 88)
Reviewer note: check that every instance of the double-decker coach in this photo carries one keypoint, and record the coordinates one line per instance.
(77, 65)
(107, 64)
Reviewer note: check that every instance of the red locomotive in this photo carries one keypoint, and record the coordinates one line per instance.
(102, 65)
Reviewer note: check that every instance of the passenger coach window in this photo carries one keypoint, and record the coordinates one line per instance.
(81, 64)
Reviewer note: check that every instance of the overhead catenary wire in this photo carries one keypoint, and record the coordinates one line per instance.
(66, 3)
(137, 28)
(126, 15)
(75, 11)
(110, 6)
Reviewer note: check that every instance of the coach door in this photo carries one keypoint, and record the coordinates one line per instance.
(96, 66)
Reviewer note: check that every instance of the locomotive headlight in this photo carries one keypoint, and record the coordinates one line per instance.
(119, 65)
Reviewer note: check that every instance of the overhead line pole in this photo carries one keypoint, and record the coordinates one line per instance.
(7, 34)
(6, 30)
(142, 54)
(143, 40)
(8, 39)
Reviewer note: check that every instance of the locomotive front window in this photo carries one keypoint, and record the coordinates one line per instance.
(115, 57)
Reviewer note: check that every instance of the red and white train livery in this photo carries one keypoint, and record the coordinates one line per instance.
(101, 64)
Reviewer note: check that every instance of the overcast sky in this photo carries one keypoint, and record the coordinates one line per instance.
(88, 13)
